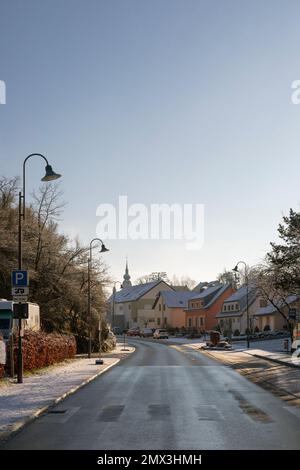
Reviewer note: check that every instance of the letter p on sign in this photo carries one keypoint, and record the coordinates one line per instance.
(19, 278)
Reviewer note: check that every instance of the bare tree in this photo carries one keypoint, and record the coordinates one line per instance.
(154, 276)
(266, 282)
(57, 265)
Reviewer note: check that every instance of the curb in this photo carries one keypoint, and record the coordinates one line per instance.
(5, 435)
(278, 361)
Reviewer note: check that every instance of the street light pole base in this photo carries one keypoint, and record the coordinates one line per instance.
(98, 361)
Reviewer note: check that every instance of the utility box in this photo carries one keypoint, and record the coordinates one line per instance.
(214, 337)
(8, 322)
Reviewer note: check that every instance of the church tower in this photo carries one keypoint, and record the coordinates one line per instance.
(126, 277)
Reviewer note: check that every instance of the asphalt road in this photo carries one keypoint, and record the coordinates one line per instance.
(166, 397)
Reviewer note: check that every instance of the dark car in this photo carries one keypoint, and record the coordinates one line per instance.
(117, 330)
(133, 332)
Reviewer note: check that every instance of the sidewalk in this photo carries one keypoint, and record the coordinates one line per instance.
(279, 358)
(272, 371)
(22, 403)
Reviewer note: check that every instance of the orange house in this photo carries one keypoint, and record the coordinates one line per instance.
(169, 309)
(203, 307)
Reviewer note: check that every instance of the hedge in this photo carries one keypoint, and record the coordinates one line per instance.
(43, 349)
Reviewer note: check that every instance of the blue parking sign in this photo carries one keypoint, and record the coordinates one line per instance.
(19, 278)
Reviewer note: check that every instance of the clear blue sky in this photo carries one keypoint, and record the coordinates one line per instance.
(183, 101)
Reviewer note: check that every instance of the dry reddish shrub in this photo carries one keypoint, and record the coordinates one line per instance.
(43, 349)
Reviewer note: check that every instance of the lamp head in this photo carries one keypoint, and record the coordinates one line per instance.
(236, 269)
(103, 248)
(50, 175)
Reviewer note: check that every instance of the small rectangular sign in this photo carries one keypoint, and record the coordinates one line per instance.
(292, 313)
(19, 278)
(20, 291)
(20, 310)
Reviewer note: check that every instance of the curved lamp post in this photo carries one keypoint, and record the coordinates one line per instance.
(235, 269)
(50, 175)
(103, 250)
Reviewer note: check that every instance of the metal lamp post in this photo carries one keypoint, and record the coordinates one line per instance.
(50, 175)
(235, 269)
(103, 250)
(113, 303)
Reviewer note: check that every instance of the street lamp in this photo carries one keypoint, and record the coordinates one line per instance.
(50, 175)
(235, 269)
(113, 308)
(103, 250)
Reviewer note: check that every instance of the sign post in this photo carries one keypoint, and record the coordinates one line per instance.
(100, 360)
(20, 291)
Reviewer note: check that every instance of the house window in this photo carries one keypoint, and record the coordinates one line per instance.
(158, 321)
(232, 307)
(263, 303)
(164, 306)
(159, 307)
(189, 322)
(224, 308)
(201, 321)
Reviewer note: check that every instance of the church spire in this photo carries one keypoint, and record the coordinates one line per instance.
(126, 277)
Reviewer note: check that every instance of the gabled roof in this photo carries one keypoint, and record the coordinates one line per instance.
(239, 296)
(271, 309)
(129, 294)
(174, 299)
(202, 285)
(211, 294)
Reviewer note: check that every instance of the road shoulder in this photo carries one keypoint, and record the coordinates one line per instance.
(277, 377)
(20, 404)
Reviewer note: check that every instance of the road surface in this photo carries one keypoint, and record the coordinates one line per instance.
(166, 397)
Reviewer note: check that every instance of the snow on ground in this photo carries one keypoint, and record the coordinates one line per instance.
(272, 345)
(20, 401)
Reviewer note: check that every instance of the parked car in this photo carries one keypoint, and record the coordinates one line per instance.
(133, 332)
(146, 333)
(160, 334)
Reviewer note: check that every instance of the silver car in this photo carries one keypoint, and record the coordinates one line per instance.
(160, 334)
